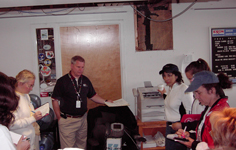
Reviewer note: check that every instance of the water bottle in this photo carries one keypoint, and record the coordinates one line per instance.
(41, 147)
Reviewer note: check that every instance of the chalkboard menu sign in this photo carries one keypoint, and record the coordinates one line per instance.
(223, 51)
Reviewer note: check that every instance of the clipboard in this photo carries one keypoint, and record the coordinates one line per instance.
(190, 117)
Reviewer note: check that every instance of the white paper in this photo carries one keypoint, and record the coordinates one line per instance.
(15, 137)
(171, 136)
(44, 109)
(117, 103)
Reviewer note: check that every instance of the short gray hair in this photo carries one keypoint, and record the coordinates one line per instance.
(77, 58)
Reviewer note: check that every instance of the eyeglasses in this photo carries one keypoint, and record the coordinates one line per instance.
(30, 86)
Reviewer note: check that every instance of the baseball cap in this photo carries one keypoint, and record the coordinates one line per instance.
(169, 68)
(203, 77)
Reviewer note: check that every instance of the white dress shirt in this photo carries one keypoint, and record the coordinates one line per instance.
(175, 96)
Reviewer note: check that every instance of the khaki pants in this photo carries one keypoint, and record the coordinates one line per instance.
(73, 132)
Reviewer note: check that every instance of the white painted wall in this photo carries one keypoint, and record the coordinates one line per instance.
(190, 32)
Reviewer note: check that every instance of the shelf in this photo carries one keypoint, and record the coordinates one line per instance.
(151, 128)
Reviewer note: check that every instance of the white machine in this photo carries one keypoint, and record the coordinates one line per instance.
(150, 104)
(114, 138)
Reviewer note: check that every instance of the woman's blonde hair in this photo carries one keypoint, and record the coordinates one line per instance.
(223, 125)
(24, 76)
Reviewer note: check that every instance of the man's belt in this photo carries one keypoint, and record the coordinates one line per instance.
(64, 115)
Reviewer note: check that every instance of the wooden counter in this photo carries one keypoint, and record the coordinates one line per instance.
(151, 128)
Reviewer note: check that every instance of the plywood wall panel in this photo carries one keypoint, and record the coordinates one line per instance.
(99, 45)
(153, 32)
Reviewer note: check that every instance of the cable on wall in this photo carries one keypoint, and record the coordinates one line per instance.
(5, 12)
(50, 13)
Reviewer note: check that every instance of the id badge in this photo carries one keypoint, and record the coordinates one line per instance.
(78, 104)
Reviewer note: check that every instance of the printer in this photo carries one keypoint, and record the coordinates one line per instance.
(150, 104)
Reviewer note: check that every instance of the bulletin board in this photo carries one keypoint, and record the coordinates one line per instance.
(223, 51)
(46, 61)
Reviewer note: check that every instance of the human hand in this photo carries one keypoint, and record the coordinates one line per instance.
(110, 101)
(23, 144)
(162, 91)
(176, 126)
(58, 118)
(37, 115)
(181, 133)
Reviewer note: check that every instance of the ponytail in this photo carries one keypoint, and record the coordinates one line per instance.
(224, 83)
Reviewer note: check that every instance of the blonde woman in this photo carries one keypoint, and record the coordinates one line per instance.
(25, 117)
(223, 125)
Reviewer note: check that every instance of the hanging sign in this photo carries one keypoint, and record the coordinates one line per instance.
(223, 51)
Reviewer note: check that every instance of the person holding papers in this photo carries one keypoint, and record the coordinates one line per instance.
(208, 89)
(25, 115)
(72, 91)
(176, 101)
(8, 103)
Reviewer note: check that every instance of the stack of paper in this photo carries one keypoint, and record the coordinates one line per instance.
(150, 142)
(117, 103)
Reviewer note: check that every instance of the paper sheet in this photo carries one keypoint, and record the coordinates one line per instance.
(44, 109)
(117, 103)
(15, 137)
(171, 136)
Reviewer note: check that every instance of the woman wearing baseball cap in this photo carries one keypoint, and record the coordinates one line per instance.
(177, 102)
(208, 89)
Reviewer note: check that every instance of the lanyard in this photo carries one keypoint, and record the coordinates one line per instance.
(80, 87)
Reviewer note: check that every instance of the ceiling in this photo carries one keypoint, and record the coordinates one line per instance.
(23, 3)
(8, 5)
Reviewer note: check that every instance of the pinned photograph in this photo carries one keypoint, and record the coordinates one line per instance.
(44, 34)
